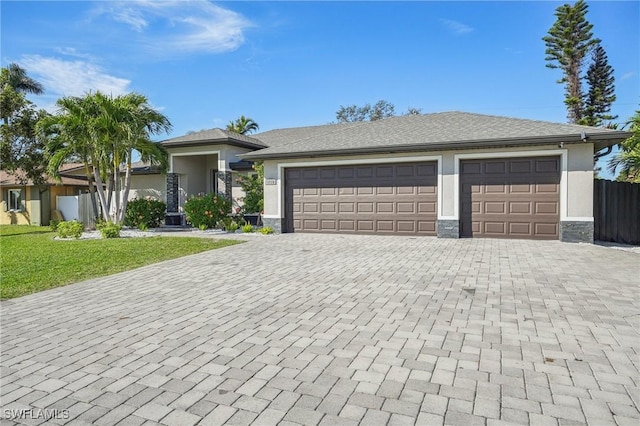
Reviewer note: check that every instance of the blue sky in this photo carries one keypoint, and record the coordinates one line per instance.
(294, 63)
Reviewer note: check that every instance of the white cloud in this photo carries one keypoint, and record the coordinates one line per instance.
(72, 78)
(171, 26)
(456, 27)
(627, 76)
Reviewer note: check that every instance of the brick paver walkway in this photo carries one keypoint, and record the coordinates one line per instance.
(321, 329)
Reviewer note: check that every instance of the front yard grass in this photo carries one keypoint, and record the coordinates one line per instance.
(31, 260)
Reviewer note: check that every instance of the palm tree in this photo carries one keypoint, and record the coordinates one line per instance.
(103, 132)
(141, 121)
(628, 156)
(243, 125)
(18, 80)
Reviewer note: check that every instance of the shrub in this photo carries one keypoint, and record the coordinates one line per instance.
(266, 230)
(247, 228)
(253, 187)
(205, 211)
(70, 229)
(145, 212)
(53, 224)
(232, 227)
(110, 230)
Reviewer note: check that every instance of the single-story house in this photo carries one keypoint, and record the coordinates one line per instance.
(450, 174)
(24, 203)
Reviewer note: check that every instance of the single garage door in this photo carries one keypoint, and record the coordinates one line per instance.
(510, 198)
(383, 198)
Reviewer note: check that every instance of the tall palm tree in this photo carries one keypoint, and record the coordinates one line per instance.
(628, 156)
(103, 132)
(141, 121)
(18, 80)
(243, 125)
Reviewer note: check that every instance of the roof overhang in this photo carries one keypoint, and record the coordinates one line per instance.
(600, 141)
(220, 141)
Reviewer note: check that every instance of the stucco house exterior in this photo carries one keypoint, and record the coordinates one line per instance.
(450, 174)
(24, 203)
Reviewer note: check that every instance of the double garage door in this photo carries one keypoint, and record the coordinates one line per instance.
(504, 198)
(383, 198)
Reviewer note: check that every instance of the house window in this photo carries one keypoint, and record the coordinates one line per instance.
(14, 200)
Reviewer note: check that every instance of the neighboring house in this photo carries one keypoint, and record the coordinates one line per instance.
(450, 174)
(24, 203)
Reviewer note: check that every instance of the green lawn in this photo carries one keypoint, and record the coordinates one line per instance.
(31, 260)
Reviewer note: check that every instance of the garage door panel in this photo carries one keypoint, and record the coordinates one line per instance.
(384, 171)
(495, 228)
(519, 207)
(520, 166)
(522, 202)
(386, 198)
(328, 173)
(548, 229)
(345, 225)
(520, 228)
(426, 169)
(328, 225)
(346, 208)
(521, 188)
(385, 226)
(327, 207)
(407, 226)
(495, 167)
(309, 207)
(494, 207)
(546, 208)
(548, 165)
(548, 188)
(366, 207)
(427, 226)
(426, 190)
(471, 168)
(427, 207)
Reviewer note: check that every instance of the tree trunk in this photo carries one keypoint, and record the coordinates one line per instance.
(100, 190)
(109, 192)
(127, 184)
(116, 181)
(92, 190)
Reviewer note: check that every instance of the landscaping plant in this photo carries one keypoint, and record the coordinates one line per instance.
(248, 228)
(206, 210)
(253, 187)
(110, 230)
(70, 229)
(145, 213)
(266, 230)
(232, 227)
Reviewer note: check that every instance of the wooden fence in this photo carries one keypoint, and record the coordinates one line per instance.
(616, 211)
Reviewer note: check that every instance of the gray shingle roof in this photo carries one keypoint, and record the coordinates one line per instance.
(214, 136)
(437, 131)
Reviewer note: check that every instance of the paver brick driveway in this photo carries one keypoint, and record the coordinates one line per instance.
(308, 329)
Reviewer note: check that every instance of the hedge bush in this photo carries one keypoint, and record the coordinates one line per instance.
(206, 210)
(70, 229)
(145, 213)
(110, 230)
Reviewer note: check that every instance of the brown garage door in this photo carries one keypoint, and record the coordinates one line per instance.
(386, 198)
(510, 198)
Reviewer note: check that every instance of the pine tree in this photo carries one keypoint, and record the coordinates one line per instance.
(597, 103)
(567, 43)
